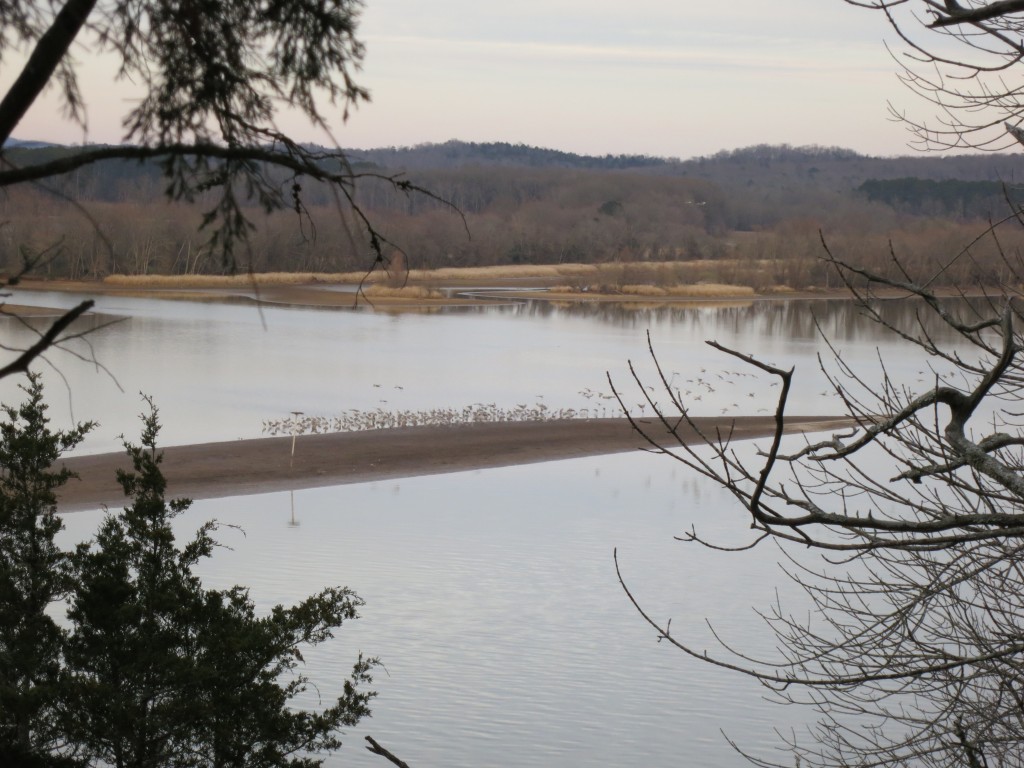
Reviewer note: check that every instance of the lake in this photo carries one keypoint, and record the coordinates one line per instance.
(491, 596)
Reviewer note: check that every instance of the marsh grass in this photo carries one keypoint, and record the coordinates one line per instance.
(698, 278)
(677, 279)
(402, 292)
(697, 291)
(508, 272)
(700, 290)
(231, 281)
(524, 271)
(653, 271)
(710, 290)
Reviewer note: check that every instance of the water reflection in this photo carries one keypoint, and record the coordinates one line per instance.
(492, 599)
(796, 319)
(218, 372)
(490, 595)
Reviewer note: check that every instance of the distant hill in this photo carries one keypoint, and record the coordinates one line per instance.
(806, 177)
(835, 167)
(107, 181)
(757, 186)
(948, 198)
(843, 169)
(29, 144)
(740, 209)
(458, 154)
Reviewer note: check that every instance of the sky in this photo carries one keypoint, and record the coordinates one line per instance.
(671, 78)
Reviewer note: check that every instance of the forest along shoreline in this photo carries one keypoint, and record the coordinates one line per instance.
(264, 465)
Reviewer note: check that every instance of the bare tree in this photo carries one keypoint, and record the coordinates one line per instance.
(905, 534)
(215, 75)
(959, 57)
(913, 649)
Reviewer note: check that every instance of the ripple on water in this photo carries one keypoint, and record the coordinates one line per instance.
(492, 600)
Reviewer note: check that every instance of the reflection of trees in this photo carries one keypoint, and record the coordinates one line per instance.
(795, 319)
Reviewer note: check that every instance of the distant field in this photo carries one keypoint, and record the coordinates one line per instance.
(646, 279)
(633, 283)
(541, 271)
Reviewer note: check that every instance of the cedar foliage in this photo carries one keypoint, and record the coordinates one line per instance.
(151, 668)
(34, 573)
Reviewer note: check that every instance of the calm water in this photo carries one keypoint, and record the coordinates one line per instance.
(491, 596)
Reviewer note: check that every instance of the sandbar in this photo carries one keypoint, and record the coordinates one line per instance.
(264, 465)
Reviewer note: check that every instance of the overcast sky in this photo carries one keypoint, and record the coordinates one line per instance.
(673, 78)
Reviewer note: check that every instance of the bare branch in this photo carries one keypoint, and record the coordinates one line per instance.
(48, 339)
(377, 749)
(41, 65)
(957, 14)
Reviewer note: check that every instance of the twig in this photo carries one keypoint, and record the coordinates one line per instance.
(377, 749)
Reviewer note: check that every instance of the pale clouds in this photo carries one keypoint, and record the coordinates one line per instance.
(667, 78)
(732, 52)
(664, 77)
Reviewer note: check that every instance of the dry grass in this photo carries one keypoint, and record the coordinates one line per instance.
(710, 290)
(692, 279)
(508, 272)
(638, 290)
(524, 271)
(223, 281)
(694, 291)
(401, 292)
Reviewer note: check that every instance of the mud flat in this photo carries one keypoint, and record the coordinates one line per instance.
(243, 467)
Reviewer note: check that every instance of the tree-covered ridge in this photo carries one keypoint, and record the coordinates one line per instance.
(759, 164)
(757, 212)
(762, 165)
(454, 154)
(784, 152)
(106, 181)
(947, 197)
(811, 162)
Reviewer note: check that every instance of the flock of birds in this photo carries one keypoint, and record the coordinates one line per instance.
(601, 405)
(690, 390)
(355, 420)
(683, 390)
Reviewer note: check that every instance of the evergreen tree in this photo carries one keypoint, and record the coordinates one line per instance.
(34, 573)
(166, 673)
(246, 667)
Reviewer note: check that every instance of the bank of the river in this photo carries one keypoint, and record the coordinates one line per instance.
(425, 289)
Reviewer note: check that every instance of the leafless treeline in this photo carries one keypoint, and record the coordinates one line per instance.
(741, 235)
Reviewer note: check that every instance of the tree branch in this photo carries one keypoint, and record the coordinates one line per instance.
(957, 14)
(50, 49)
(47, 340)
(377, 749)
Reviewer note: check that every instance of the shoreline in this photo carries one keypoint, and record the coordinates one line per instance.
(326, 295)
(264, 465)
